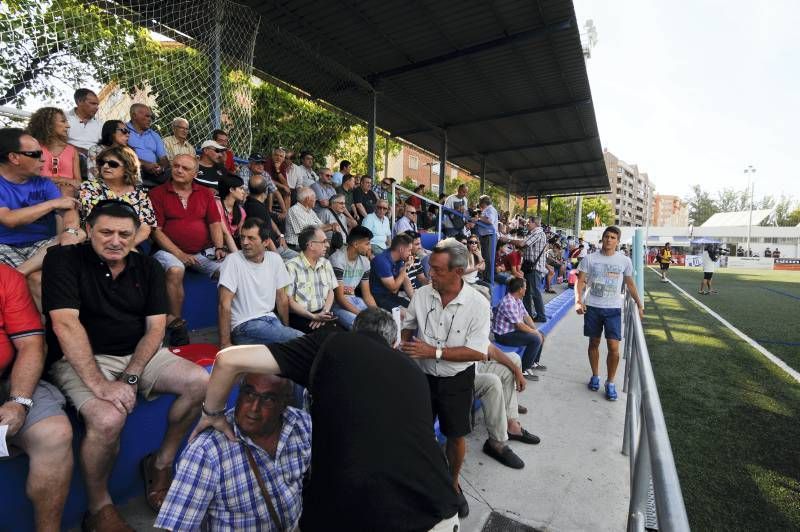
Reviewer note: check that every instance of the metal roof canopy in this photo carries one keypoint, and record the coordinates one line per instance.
(501, 82)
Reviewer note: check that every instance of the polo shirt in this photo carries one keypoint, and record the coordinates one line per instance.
(366, 199)
(323, 192)
(113, 311)
(484, 229)
(254, 208)
(381, 229)
(464, 322)
(383, 266)
(83, 134)
(18, 315)
(148, 144)
(209, 176)
(15, 196)
(175, 147)
(186, 227)
(375, 462)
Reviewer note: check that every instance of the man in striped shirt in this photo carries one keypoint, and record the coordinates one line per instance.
(216, 488)
(311, 290)
(533, 254)
(302, 215)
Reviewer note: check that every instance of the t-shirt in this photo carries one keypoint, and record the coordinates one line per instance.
(665, 256)
(18, 315)
(367, 199)
(708, 265)
(209, 176)
(113, 311)
(375, 462)
(258, 209)
(604, 276)
(349, 273)
(413, 270)
(512, 260)
(83, 134)
(14, 196)
(382, 267)
(254, 285)
(148, 145)
(452, 220)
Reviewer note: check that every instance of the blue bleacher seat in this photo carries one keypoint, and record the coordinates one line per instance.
(429, 240)
(200, 305)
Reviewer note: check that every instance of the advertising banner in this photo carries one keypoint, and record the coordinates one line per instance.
(694, 261)
(760, 263)
(787, 264)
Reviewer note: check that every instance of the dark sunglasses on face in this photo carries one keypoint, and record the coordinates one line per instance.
(123, 130)
(220, 150)
(37, 154)
(471, 242)
(112, 164)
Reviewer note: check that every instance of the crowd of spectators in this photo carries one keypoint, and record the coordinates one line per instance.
(98, 225)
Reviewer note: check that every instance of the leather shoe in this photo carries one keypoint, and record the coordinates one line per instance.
(463, 505)
(507, 457)
(107, 519)
(525, 437)
(522, 409)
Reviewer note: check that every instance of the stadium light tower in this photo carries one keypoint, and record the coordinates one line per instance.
(752, 186)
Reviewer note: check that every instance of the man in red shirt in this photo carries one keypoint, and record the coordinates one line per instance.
(513, 262)
(32, 409)
(189, 234)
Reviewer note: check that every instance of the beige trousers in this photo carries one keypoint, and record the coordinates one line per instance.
(496, 388)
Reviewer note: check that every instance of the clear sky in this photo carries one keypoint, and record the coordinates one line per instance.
(695, 91)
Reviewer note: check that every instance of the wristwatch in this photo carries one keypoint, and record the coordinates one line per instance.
(71, 230)
(24, 401)
(439, 353)
(129, 378)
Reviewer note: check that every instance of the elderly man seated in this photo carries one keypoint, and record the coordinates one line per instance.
(335, 214)
(351, 266)
(106, 315)
(189, 234)
(323, 189)
(178, 143)
(312, 283)
(32, 410)
(301, 215)
(213, 487)
(378, 223)
(389, 275)
(33, 213)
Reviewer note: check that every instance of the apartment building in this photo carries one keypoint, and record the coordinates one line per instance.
(631, 192)
(669, 211)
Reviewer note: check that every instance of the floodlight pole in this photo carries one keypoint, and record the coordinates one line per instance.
(443, 163)
(750, 170)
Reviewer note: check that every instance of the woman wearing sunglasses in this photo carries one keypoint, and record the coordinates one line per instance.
(118, 178)
(114, 133)
(49, 126)
(475, 264)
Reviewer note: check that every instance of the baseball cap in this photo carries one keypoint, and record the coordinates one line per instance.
(212, 144)
(256, 158)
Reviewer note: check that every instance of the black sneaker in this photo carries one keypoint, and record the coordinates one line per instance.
(507, 457)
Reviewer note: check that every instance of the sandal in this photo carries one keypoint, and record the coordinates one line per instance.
(156, 482)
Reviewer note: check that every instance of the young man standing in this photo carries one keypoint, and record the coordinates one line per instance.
(603, 272)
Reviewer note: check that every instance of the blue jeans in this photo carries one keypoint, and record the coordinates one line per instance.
(263, 330)
(532, 343)
(533, 301)
(346, 318)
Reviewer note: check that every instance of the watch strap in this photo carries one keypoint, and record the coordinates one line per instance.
(216, 413)
(27, 402)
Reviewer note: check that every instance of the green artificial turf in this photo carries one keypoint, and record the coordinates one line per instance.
(763, 304)
(733, 417)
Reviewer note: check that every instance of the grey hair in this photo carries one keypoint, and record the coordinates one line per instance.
(459, 256)
(379, 321)
(336, 197)
(303, 193)
(484, 200)
(179, 120)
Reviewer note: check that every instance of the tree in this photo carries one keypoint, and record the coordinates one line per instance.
(793, 218)
(561, 213)
(729, 200)
(783, 212)
(701, 206)
(352, 145)
(600, 209)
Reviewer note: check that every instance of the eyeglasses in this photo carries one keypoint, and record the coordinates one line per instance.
(124, 130)
(111, 163)
(431, 333)
(382, 208)
(32, 154)
(327, 175)
(411, 212)
(318, 242)
(472, 243)
(266, 399)
(185, 128)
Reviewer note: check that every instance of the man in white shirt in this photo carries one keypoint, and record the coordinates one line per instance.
(253, 306)
(302, 214)
(381, 228)
(446, 329)
(453, 223)
(407, 222)
(84, 127)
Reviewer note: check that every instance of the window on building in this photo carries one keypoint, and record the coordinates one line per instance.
(413, 162)
(435, 167)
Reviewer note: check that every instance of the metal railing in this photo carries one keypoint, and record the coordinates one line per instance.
(646, 441)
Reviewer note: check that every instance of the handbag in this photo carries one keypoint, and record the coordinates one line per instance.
(264, 493)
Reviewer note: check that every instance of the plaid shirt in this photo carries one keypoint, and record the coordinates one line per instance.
(310, 284)
(299, 218)
(509, 312)
(534, 244)
(214, 488)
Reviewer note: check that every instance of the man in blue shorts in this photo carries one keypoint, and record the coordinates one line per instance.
(603, 272)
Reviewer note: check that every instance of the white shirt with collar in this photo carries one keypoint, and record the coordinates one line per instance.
(464, 322)
(83, 134)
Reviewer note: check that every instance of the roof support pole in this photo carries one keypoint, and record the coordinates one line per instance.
(216, 71)
(549, 199)
(539, 205)
(386, 158)
(525, 202)
(483, 176)
(578, 215)
(443, 163)
(508, 195)
(371, 135)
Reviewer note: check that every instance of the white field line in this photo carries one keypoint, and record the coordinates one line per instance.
(758, 347)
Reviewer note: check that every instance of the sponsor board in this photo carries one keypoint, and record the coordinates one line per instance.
(758, 263)
(694, 261)
(787, 264)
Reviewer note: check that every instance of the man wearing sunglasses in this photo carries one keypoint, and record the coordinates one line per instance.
(34, 215)
(210, 166)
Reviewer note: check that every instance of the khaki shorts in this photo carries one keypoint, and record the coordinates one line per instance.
(65, 377)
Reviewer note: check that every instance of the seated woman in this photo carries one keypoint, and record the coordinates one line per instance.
(475, 264)
(232, 193)
(49, 126)
(114, 133)
(119, 179)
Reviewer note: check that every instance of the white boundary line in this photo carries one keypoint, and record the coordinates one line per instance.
(758, 347)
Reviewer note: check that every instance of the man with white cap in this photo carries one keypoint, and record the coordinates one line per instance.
(212, 157)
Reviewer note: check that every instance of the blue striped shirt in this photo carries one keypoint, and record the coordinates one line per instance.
(214, 488)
